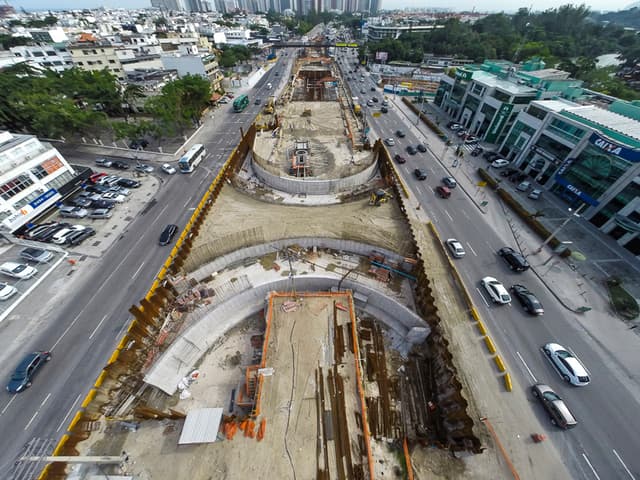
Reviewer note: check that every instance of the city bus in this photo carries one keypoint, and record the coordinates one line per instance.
(192, 158)
(240, 103)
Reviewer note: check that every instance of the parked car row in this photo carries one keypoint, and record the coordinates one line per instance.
(59, 233)
(97, 199)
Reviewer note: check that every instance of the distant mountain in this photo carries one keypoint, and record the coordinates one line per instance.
(625, 18)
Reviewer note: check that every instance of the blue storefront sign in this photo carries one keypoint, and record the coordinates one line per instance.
(43, 198)
(576, 191)
(612, 148)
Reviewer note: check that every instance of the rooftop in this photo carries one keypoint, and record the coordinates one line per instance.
(491, 80)
(607, 120)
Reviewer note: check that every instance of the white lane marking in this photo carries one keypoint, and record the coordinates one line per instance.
(527, 367)
(138, 270)
(98, 290)
(187, 202)
(161, 212)
(64, 420)
(8, 404)
(471, 248)
(37, 411)
(623, 465)
(591, 466)
(447, 214)
(482, 297)
(98, 326)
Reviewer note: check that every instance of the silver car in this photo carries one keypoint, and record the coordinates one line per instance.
(496, 291)
(38, 255)
(456, 248)
(567, 364)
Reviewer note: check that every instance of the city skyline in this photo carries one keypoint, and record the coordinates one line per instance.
(464, 5)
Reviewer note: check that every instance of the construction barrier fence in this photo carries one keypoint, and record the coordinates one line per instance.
(146, 320)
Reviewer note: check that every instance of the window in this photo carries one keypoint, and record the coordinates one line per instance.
(634, 217)
(15, 186)
(59, 181)
(37, 54)
(39, 172)
(477, 89)
(536, 112)
(501, 97)
(566, 130)
(523, 100)
(51, 53)
(80, 64)
(26, 200)
(112, 61)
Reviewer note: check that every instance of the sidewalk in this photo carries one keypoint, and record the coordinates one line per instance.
(574, 283)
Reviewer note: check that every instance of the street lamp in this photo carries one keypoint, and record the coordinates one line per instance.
(557, 230)
(421, 107)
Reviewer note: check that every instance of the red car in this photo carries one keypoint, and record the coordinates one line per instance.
(96, 176)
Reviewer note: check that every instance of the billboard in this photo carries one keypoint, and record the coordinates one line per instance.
(382, 56)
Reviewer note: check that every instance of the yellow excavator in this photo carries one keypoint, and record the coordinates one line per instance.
(379, 196)
(268, 108)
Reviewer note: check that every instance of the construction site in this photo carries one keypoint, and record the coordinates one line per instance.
(307, 340)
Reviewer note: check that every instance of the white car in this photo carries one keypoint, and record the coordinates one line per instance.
(456, 248)
(114, 197)
(500, 163)
(18, 270)
(389, 142)
(496, 291)
(168, 169)
(567, 364)
(61, 236)
(7, 291)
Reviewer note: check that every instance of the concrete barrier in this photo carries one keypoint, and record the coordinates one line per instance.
(490, 346)
(313, 186)
(499, 363)
(507, 382)
(481, 328)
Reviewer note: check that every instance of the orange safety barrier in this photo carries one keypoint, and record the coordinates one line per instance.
(407, 459)
(261, 429)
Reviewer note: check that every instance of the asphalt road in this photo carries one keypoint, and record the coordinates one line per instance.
(605, 443)
(84, 329)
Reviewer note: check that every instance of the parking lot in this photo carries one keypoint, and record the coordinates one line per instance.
(104, 232)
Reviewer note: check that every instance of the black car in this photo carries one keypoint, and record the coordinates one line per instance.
(555, 407)
(127, 182)
(375, 99)
(77, 238)
(26, 370)
(120, 165)
(420, 174)
(421, 147)
(517, 178)
(167, 234)
(399, 158)
(384, 110)
(139, 144)
(527, 299)
(400, 133)
(507, 172)
(514, 259)
(97, 188)
(411, 150)
(102, 204)
(490, 156)
(373, 89)
(477, 151)
(257, 101)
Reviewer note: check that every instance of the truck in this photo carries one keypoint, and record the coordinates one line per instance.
(357, 109)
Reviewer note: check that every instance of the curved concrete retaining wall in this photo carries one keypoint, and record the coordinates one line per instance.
(407, 328)
(256, 251)
(313, 187)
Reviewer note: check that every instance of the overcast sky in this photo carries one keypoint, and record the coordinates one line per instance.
(480, 6)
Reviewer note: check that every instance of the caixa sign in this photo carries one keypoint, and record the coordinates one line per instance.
(613, 148)
(576, 191)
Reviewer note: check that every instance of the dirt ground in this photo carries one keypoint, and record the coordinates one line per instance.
(238, 220)
(331, 155)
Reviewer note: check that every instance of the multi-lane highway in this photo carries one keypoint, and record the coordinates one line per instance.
(89, 318)
(605, 443)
